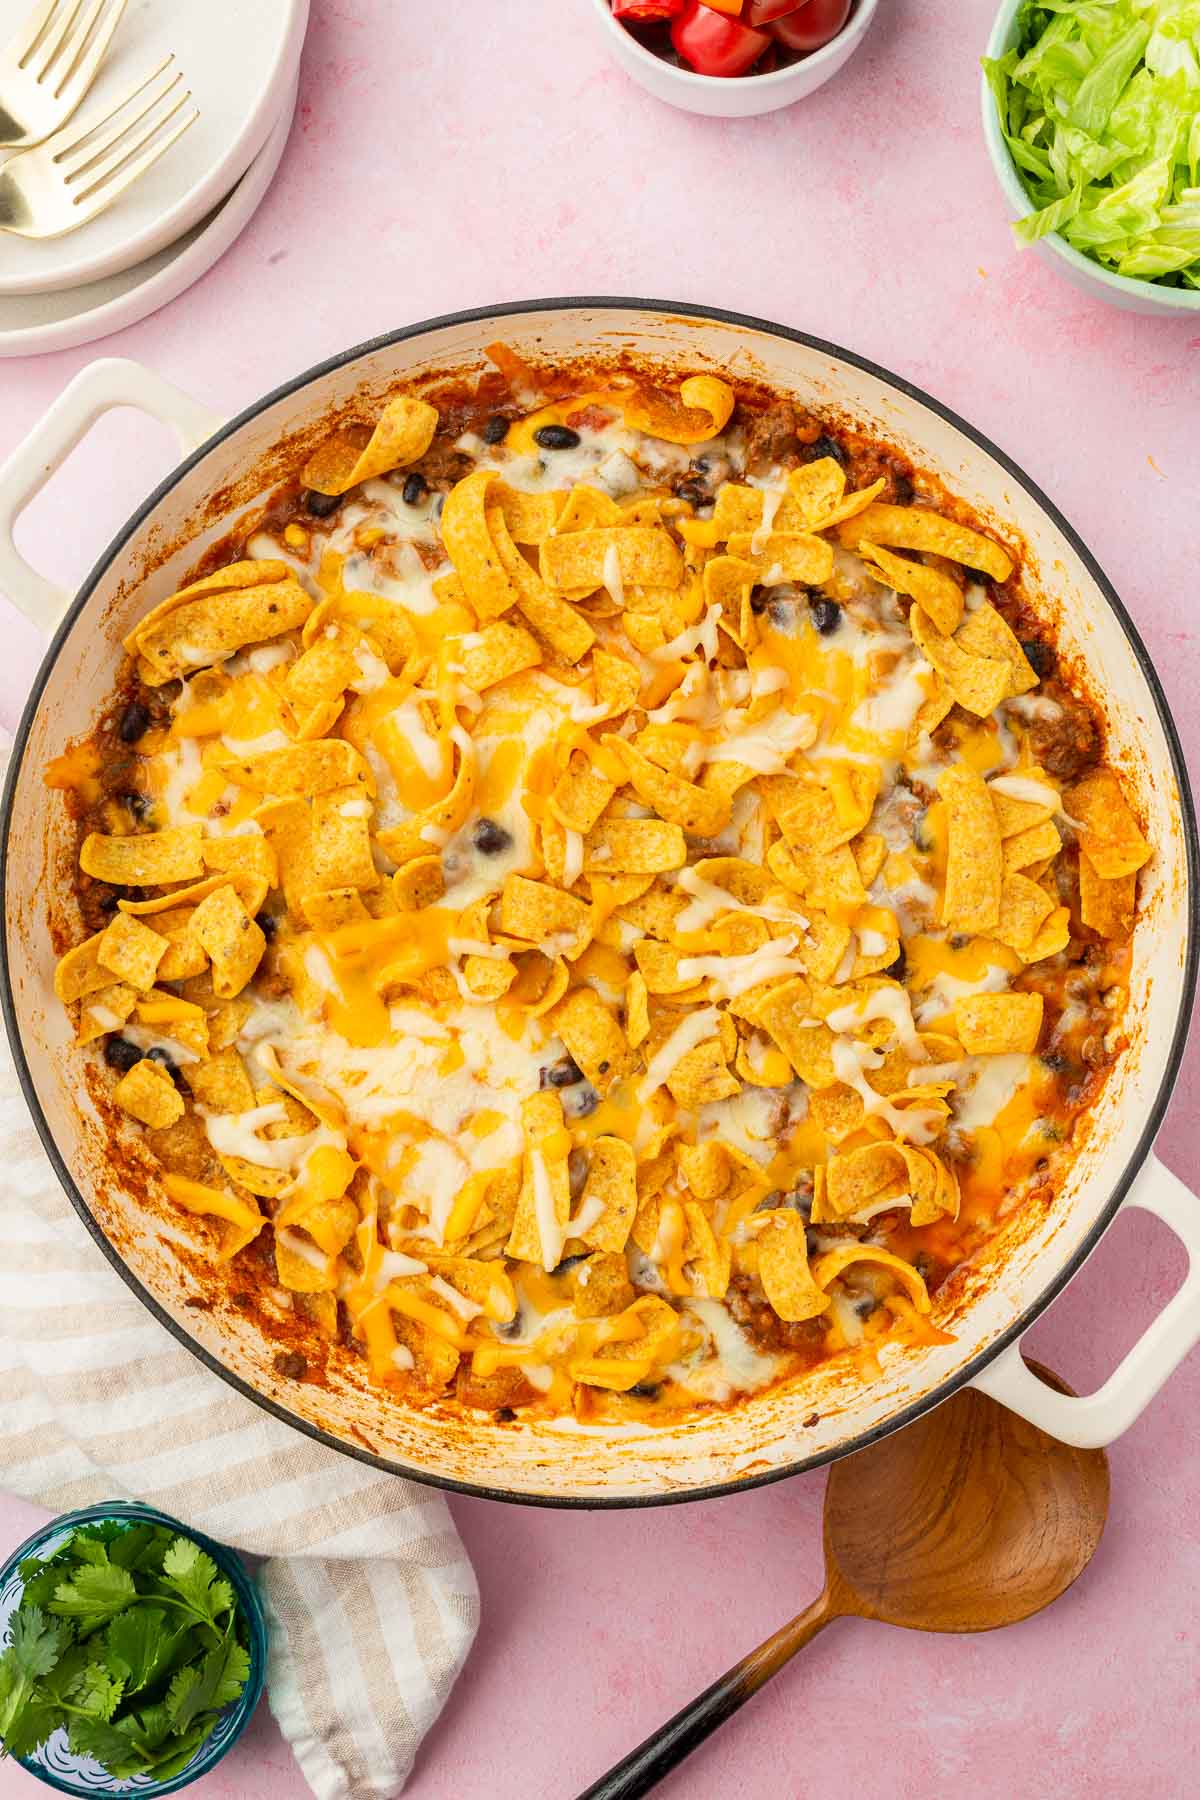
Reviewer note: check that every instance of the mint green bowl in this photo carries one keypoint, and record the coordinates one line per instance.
(1083, 272)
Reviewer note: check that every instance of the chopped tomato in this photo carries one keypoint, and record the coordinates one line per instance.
(811, 26)
(761, 12)
(713, 44)
(646, 12)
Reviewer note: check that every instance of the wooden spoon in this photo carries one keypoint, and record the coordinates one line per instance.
(969, 1519)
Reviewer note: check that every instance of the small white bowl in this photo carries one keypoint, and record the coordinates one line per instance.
(1089, 276)
(239, 59)
(739, 96)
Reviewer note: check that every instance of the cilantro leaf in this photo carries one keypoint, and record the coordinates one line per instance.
(34, 1647)
(37, 1720)
(35, 1644)
(62, 1684)
(193, 1577)
(38, 1588)
(140, 1549)
(175, 1756)
(213, 1683)
(96, 1691)
(89, 1550)
(109, 1744)
(94, 1596)
(149, 1729)
(139, 1645)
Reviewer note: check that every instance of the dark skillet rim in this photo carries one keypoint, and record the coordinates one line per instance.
(1021, 1324)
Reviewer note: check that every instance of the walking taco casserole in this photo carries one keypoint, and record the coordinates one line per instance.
(598, 898)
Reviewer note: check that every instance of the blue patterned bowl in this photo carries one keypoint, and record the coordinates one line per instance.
(54, 1763)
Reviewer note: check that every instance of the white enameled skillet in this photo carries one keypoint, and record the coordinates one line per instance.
(831, 1412)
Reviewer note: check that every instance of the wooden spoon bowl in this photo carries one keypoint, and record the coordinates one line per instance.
(969, 1519)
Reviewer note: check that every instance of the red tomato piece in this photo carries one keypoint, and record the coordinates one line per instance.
(713, 44)
(646, 12)
(761, 12)
(811, 26)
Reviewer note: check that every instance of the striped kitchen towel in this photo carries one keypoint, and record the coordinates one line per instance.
(370, 1598)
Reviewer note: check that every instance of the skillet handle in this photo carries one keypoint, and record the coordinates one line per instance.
(1092, 1420)
(99, 388)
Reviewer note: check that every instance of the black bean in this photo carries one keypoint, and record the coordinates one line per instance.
(496, 429)
(577, 1172)
(866, 1306)
(135, 722)
(758, 601)
(320, 505)
(490, 838)
(826, 615)
(692, 493)
(120, 1054)
(136, 805)
(513, 1328)
(1055, 1061)
(902, 488)
(556, 437)
(108, 902)
(564, 1073)
(978, 575)
(267, 923)
(159, 1055)
(826, 446)
(898, 965)
(580, 1101)
(812, 1238)
(1039, 656)
(569, 1262)
(414, 490)
(504, 1415)
(959, 940)
(646, 1390)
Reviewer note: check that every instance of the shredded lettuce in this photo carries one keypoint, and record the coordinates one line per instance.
(1099, 104)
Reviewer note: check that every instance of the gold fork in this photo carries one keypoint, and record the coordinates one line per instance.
(81, 170)
(49, 64)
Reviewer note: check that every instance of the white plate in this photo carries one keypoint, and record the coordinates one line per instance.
(33, 324)
(239, 58)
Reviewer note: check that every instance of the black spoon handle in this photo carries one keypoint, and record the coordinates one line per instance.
(667, 1747)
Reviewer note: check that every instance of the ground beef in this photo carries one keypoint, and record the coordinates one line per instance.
(442, 465)
(1069, 743)
(867, 462)
(774, 437)
(97, 902)
(762, 1324)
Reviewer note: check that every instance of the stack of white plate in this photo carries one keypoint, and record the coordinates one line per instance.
(241, 62)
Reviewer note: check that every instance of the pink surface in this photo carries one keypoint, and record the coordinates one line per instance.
(507, 158)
